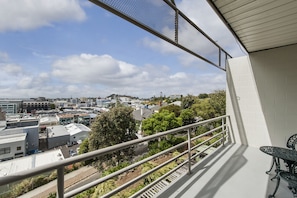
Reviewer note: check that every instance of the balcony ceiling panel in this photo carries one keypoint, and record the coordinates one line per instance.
(260, 25)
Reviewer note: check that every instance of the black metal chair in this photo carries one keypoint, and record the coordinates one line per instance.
(292, 141)
(291, 178)
(291, 144)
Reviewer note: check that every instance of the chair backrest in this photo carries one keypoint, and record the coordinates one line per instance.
(292, 141)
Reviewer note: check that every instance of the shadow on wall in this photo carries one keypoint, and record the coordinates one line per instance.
(236, 109)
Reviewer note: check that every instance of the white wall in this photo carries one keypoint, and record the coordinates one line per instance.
(13, 149)
(79, 136)
(262, 94)
(276, 78)
(243, 105)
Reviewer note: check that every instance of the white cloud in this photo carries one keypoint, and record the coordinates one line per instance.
(179, 75)
(25, 82)
(87, 68)
(72, 89)
(102, 74)
(31, 14)
(10, 68)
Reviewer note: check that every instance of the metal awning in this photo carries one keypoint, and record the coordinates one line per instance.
(260, 24)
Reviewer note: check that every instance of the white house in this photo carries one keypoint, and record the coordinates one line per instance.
(29, 127)
(12, 146)
(70, 134)
(77, 132)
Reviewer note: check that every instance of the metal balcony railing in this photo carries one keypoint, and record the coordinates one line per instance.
(216, 137)
(164, 20)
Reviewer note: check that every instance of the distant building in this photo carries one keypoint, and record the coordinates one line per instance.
(30, 127)
(62, 103)
(2, 120)
(74, 100)
(69, 134)
(141, 114)
(48, 120)
(64, 119)
(77, 132)
(12, 146)
(81, 118)
(14, 166)
(155, 108)
(57, 136)
(103, 102)
(11, 106)
(174, 97)
(34, 105)
(177, 103)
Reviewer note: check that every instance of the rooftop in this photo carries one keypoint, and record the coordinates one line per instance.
(25, 163)
(12, 138)
(75, 128)
(57, 130)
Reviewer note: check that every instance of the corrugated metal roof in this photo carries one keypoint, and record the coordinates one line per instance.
(32, 161)
(6, 139)
(260, 24)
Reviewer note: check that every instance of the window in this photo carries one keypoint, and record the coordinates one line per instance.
(4, 150)
(19, 148)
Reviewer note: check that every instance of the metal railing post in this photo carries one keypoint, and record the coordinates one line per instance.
(60, 182)
(189, 151)
(223, 130)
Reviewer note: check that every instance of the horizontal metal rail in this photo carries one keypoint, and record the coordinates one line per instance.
(117, 8)
(178, 167)
(83, 157)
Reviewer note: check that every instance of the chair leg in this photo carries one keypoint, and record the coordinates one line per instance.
(273, 162)
(294, 192)
(276, 187)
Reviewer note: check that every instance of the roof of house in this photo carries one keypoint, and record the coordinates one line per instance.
(75, 128)
(32, 161)
(145, 114)
(6, 139)
(57, 130)
(18, 130)
(47, 120)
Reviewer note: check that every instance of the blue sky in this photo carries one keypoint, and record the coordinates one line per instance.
(73, 48)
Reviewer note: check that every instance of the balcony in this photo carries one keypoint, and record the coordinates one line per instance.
(261, 105)
(229, 170)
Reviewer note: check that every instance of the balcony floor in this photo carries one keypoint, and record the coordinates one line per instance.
(232, 171)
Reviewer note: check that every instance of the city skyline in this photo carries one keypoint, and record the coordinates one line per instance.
(76, 49)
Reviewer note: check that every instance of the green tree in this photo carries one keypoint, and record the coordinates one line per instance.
(52, 106)
(203, 96)
(188, 101)
(111, 128)
(203, 109)
(172, 108)
(160, 122)
(84, 148)
(218, 102)
(187, 116)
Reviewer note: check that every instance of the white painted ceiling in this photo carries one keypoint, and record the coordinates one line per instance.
(260, 24)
